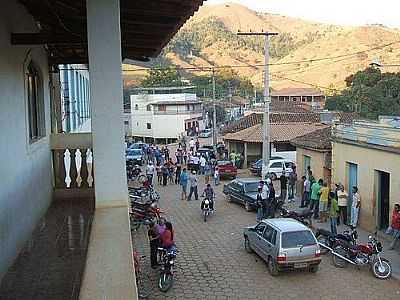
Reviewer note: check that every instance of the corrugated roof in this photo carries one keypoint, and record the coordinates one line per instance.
(319, 139)
(283, 132)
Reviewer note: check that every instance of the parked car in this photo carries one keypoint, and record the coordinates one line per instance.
(134, 156)
(138, 145)
(276, 168)
(285, 244)
(206, 133)
(244, 191)
(256, 167)
(226, 169)
(206, 152)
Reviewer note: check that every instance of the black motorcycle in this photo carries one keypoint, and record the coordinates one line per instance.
(328, 241)
(303, 216)
(166, 278)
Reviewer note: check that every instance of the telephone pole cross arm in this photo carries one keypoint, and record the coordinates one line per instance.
(266, 128)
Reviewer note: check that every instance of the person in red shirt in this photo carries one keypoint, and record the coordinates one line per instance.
(167, 237)
(394, 228)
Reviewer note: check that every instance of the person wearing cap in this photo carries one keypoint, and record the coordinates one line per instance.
(193, 181)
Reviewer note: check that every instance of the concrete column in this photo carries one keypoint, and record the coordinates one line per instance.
(103, 20)
(245, 156)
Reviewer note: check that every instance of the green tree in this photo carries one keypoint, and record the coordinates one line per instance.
(162, 78)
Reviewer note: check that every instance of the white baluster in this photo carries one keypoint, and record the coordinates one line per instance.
(67, 165)
(78, 164)
(89, 163)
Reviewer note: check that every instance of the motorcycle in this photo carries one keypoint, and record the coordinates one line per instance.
(304, 216)
(362, 255)
(327, 240)
(206, 208)
(143, 212)
(166, 278)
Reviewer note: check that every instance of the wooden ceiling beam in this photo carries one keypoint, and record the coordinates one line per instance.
(45, 38)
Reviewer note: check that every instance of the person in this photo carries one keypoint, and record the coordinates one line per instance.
(315, 193)
(355, 206)
(342, 197)
(166, 153)
(150, 172)
(271, 199)
(203, 162)
(305, 199)
(192, 144)
(185, 157)
(333, 212)
(164, 171)
(207, 173)
(292, 184)
(178, 171)
(216, 176)
(283, 181)
(196, 162)
(159, 173)
(154, 242)
(259, 203)
(310, 175)
(241, 160)
(183, 181)
(264, 195)
(193, 181)
(323, 203)
(171, 172)
(394, 228)
(197, 144)
(209, 194)
(232, 157)
(167, 237)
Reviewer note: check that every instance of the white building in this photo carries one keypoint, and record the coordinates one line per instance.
(164, 117)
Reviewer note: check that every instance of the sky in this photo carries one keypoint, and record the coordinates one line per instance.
(341, 12)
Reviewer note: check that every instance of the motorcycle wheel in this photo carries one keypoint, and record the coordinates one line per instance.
(323, 240)
(381, 271)
(165, 281)
(337, 261)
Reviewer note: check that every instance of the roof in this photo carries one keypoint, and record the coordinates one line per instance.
(281, 132)
(286, 224)
(176, 102)
(297, 92)
(238, 100)
(146, 27)
(319, 140)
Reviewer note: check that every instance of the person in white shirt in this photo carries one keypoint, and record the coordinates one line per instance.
(216, 176)
(355, 207)
(202, 165)
(192, 144)
(342, 197)
(150, 172)
(264, 197)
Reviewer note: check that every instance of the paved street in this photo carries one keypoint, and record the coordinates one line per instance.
(212, 262)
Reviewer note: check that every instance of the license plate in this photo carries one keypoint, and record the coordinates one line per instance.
(300, 265)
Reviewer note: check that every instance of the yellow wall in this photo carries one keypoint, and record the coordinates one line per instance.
(317, 162)
(368, 160)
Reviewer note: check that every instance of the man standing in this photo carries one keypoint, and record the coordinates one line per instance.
(315, 194)
(183, 181)
(292, 184)
(355, 207)
(333, 213)
(202, 165)
(264, 197)
(394, 228)
(283, 181)
(193, 181)
(342, 197)
(305, 199)
(150, 172)
(192, 144)
(197, 144)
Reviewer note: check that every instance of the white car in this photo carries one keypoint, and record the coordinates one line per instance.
(205, 133)
(276, 168)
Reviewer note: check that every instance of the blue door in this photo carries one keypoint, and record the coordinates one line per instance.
(352, 181)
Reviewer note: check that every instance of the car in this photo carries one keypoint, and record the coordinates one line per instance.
(256, 167)
(276, 168)
(244, 191)
(226, 169)
(206, 133)
(134, 156)
(138, 145)
(206, 152)
(285, 244)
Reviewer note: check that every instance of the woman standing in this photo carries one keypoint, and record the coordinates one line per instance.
(154, 242)
(167, 238)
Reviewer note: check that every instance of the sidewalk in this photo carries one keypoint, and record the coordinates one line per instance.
(392, 255)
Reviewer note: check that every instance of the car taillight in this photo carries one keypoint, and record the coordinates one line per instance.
(281, 257)
(317, 253)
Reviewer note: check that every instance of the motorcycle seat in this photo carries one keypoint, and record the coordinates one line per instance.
(303, 213)
(325, 232)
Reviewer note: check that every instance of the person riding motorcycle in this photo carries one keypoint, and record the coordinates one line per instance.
(208, 194)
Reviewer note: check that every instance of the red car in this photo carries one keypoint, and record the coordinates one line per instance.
(226, 169)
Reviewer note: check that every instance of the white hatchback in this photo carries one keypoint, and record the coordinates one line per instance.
(276, 168)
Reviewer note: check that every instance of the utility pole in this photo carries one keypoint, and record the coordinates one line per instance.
(266, 128)
(214, 132)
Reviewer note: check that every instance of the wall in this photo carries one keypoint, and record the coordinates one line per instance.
(368, 160)
(25, 172)
(317, 162)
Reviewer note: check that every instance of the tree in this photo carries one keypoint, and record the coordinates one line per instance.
(164, 77)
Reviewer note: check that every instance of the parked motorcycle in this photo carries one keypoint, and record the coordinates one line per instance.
(361, 255)
(166, 278)
(327, 240)
(207, 208)
(304, 216)
(143, 213)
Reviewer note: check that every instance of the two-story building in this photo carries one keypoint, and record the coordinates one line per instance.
(309, 96)
(165, 117)
(366, 154)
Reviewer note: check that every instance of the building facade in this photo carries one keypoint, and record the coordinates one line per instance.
(309, 96)
(165, 117)
(367, 155)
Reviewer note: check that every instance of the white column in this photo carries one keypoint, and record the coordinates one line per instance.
(104, 46)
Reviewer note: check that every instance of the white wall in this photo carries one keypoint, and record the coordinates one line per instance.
(25, 169)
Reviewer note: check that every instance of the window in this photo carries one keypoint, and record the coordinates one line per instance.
(270, 235)
(162, 108)
(148, 125)
(148, 107)
(260, 228)
(294, 239)
(126, 122)
(276, 165)
(37, 127)
(136, 107)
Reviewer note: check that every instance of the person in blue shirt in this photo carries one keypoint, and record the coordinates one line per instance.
(183, 181)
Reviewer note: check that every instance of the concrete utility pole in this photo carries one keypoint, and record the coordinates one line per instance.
(214, 132)
(266, 128)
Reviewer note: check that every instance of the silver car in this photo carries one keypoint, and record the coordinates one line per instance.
(285, 244)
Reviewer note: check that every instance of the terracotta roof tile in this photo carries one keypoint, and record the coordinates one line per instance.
(297, 92)
(319, 139)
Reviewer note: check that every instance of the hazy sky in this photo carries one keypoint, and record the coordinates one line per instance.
(344, 12)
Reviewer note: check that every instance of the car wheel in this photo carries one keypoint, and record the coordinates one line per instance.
(314, 269)
(247, 245)
(272, 267)
(247, 206)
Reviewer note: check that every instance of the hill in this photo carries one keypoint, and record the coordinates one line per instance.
(209, 38)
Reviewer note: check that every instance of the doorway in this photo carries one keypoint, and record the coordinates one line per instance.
(352, 180)
(382, 196)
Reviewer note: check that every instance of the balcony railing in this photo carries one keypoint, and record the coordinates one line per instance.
(72, 165)
(174, 112)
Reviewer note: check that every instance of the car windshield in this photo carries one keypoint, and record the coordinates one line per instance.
(224, 163)
(295, 239)
(134, 152)
(252, 187)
